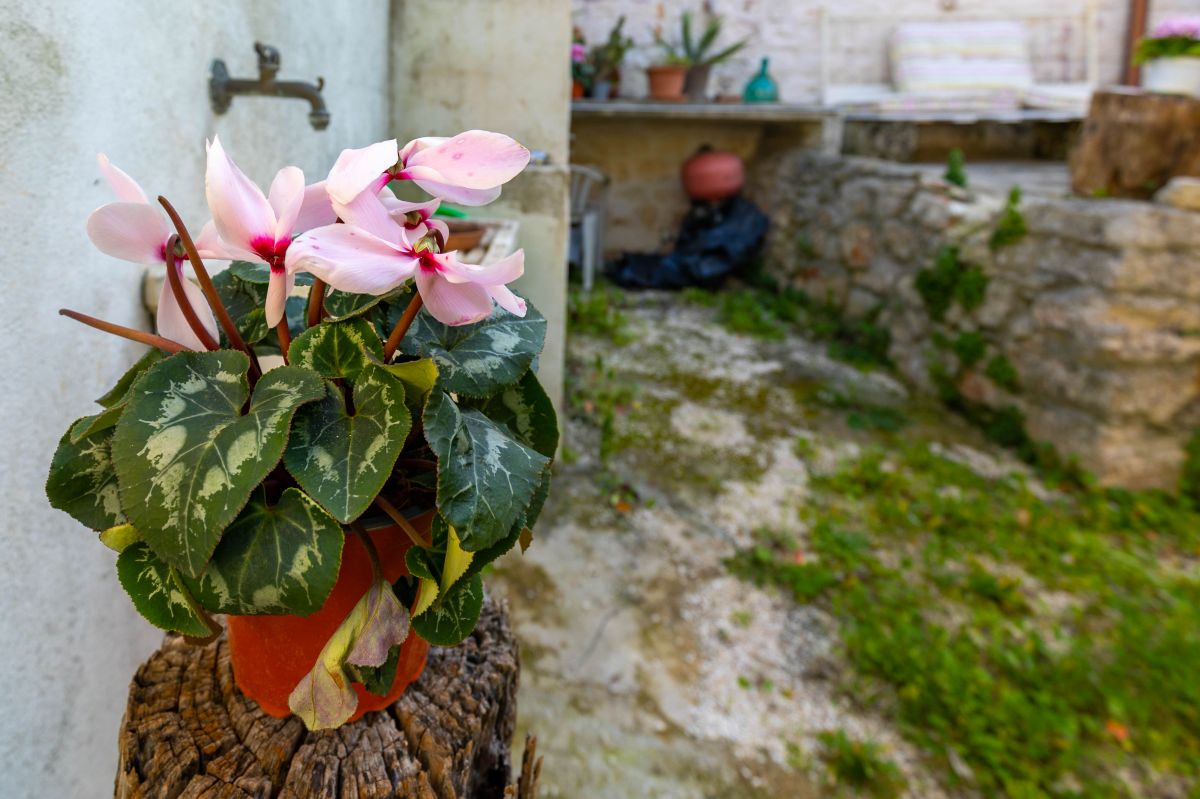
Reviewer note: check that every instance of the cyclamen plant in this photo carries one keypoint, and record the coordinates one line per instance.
(405, 418)
(1176, 37)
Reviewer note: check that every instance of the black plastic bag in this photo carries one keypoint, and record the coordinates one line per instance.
(715, 241)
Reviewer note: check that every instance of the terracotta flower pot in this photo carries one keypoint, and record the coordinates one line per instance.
(271, 654)
(464, 235)
(712, 175)
(576, 89)
(666, 81)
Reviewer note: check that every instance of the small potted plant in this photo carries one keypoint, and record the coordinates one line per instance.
(606, 60)
(697, 56)
(338, 508)
(1170, 56)
(581, 70)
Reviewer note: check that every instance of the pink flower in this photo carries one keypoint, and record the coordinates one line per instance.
(372, 254)
(134, 230)
(578, 53)
(468, 169)
(1182, 27)
(259, 228)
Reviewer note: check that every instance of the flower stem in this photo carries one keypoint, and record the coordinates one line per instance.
(210, 291)
(316, 302)
(404, 524)
(175, 280)
(369, 545)
(165, 344)
(397, 335)
(285, 337)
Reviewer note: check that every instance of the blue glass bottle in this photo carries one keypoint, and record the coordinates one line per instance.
(761, 88)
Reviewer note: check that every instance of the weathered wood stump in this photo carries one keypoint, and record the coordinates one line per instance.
(188, 732)
(1133, 142)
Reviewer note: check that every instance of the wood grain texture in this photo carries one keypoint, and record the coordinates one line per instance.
(189, 733)
(1133, 142)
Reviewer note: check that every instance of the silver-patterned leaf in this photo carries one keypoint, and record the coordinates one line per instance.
(343, 458)
(188, 455)
(486, 478)
(526, 410)
(157, 592)
(273, 559)
(450, 619)
(82, 480)
(477, 360)
(340, 349)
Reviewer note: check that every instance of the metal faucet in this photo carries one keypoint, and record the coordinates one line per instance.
(222, 88)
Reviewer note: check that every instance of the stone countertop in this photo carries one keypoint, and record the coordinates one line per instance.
(736, 112)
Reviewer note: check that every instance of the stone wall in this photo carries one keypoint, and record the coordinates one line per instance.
(788, 32)
(1097, 307)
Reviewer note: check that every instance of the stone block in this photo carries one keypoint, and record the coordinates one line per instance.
(858, 245)
(860, 303)
(882, 275)
(1180, 192)
(899, 238)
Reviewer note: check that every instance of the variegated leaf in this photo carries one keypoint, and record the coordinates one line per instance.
(82, 480)
(486, 478)
(477, 360)
(418, 377)
(281, 558)
(336, 350)
(343, 305)
(187, 457)
(451, 618)
(526, 410)
(245, 301)
(156, 591)
(342, 459)
(258, 272)
(325, 698)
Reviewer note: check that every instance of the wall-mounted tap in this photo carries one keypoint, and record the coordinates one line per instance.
(222, 88)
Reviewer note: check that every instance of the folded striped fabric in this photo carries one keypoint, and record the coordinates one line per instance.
(960, 56)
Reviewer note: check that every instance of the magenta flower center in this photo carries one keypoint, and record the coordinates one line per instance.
(271, 251)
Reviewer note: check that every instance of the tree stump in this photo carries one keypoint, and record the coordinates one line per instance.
(189, 733)
(1133, 142)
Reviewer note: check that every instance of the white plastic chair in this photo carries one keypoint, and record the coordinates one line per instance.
(587, 217)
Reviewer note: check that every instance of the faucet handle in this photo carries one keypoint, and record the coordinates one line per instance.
(267, 55)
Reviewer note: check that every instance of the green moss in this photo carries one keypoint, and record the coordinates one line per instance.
(969, 347)
(1001, 372)
(971, 288)
(1011, 227)
(956, 171)
(597, 313)
(860, 766)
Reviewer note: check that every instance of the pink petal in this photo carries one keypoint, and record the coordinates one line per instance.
(129, 231)
(453, 304)
(285, 197)
(507, 300)
(399, 208)
(316, 210)
(125, 187)
(350, 259)
(503, 271)
(171, 322)
(240, 211)
(457, 194)
(209, 244)
(367, 212)
(476, 159)
(279, 286)
(417, 145)
(355, 170)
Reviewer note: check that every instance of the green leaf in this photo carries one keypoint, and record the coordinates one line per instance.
(453, 616)
(157, 592)
(377, 680)
(341, 349)
(419, 378)
(260, 273)
(187, 456)
(342, 305)
(281, 558)
(245, 301)
(82, 480)
(119, 393)
(477, 360)
(119, 538)
(526, 410)
(486, 478)
(96, 423)
(342, 459)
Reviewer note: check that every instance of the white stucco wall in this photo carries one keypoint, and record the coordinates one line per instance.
(501, 71)
(128, 78)
(788, 32)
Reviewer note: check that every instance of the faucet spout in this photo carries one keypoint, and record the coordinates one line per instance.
(222, 88)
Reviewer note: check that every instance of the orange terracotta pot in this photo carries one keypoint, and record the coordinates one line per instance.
(712, 175)
(271, 654)
(666, 81)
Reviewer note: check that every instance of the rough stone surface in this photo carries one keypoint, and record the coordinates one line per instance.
(1180, 192)
(189, 732)
(1095, 307)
